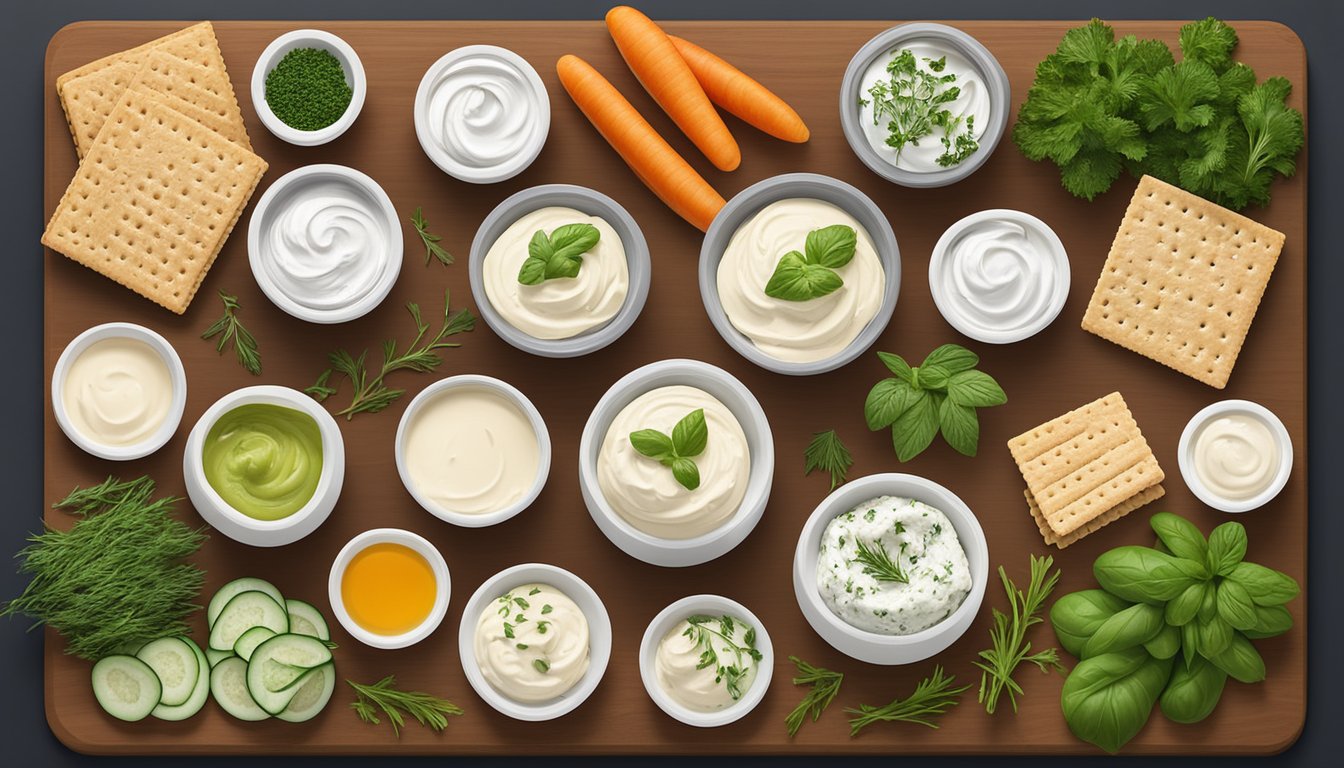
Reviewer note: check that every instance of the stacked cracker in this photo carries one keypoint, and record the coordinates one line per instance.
(166, 166)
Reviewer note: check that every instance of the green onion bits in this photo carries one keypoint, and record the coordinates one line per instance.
(307, 89)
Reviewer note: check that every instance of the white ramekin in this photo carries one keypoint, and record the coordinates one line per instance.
(238, 526)
(669, 617)
(599, 639)
(176, 373)
(508, 392)
(442, 582)
(354, 77)
(1185, 454)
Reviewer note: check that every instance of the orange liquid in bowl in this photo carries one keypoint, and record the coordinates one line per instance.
(388, 589)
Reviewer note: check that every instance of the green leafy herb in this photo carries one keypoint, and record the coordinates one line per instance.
(118, 577)
(914, 102)
(307, 89)
(429, 710)
(560, 255)
(371, 394)
(931, 699)
(878, 564)
(703, 630)
(689, 438)
(1009, 646)
(432, 248)
(825, 685)
(827, 453)
(543, 666)
(811, 274)
(941, 394)
(230, 328)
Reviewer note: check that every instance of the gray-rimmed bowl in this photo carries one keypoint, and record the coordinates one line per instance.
(991, 72)
(748, 203)
(593, 203)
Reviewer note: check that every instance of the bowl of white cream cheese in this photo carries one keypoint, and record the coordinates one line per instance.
(924, 104)
(324, 243)
(583, 302)
(800, 273)
(1235, 455)
(695, 489)
(534, 641)
(482, 113)
(891, 568)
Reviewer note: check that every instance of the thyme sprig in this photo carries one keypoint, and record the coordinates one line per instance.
(432, 248)
(703, 629)
(878, 564)
(1008, 635)
(825, 685)
(229, 328)
(383, 696)
(933, 697)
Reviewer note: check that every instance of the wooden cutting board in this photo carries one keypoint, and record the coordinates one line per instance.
(1054, 371)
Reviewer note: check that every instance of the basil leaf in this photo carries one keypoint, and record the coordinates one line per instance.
(897, 365)
(1227, 547)
(559, 255)
(1107, 699)
(1190, 643)
(1270, 621)
(1182, 609)
(1214, 636)
(1127, 629)
(1180, 536)
(888, 399)
(1240, 660)
(686, 473)
(533, 272)
(691, 434)
(931, 376)
(1193, 692)
(1077, 615)
(652, 443)
(573, 240)
(831, 246)
(1141, 574)
(1208, 607)
(1165, 644)
(796, 280)
(1235, 605)
(914, 429)
(960, 427)
(539, 247)
(1265, 586)
(560, 265)
(976, 389)
(954, 357)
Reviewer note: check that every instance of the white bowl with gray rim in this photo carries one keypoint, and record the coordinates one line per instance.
(748, 203)
(951, 38)
(588, 201)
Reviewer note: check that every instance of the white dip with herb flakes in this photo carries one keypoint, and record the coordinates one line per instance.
(706, 663)
(893, 566)
(532, 643)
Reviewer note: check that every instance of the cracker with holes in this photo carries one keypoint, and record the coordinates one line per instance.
(1086, 469)
(154, 200)
(1183, 281)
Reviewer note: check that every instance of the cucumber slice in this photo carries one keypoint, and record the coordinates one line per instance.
(234, 588)
(278, 665)
(249, 640)
(311, 694)
(243, 612)
(199, 694)
(126, 687)
(304, 619)
(228, 683)
(214, 657)
(174, 662)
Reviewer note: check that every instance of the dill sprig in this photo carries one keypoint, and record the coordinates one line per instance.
(229, 328)
(428, 709)
(703, 630)
(931, 699)
(878, 564)
(826, 452)
(1008, 635)
(371, 393)
(432, 248)
(825, 685)
(118, 577)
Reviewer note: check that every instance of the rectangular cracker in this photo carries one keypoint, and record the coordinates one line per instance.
(154, 200)
(1081, 465)
(1114, 513)
(1182, 282)
(202, 93)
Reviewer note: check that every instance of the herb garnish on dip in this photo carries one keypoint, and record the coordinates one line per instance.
(532, 643)
(706, 663)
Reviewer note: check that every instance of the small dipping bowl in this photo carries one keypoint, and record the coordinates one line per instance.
(872, 647)
(249, 530)
(711, 605)
(354, 77)
(177, 376)
(419, 545)
(1185, 454)
(592, 203)
(599, 639)
(511, 394)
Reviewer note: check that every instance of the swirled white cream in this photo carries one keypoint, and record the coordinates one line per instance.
(561, 307)
(117, 391)
(797, 331)
(1236, 456)
(471, 451)
(532, 643)
(694, 685)
(326, 245)
(484, 111)
(644, 492)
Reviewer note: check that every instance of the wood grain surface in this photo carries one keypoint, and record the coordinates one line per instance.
(1044, 376)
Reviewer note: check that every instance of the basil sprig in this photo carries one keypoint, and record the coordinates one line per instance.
(811, 274)
(559, 255)
(688, 439)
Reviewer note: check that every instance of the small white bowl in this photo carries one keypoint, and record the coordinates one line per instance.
(872, 647)
(176, 373)
(599, 639)
(1055, 256)
(1185, 454)
(663, 623)
(238, 526)
(443, 587)
(508, 392)
(678, 553)
(298, 182)
(518, 161)
(354, 77)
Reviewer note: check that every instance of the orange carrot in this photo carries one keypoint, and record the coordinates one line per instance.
(668, 79)
(654, 161)
(737, 92)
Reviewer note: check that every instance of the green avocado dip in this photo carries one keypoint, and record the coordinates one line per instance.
(264, 460)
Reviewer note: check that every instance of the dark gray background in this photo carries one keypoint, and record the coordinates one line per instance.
(24, 34)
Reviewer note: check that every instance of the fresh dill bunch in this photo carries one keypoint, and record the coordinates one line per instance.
(1008, 635)
(825, 685)
(431, 711)
(931, 699)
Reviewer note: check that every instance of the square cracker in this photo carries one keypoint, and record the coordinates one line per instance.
(1182, 282)
(1114, 513)
(154, 200)
(1082, 465)
(202, 93)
